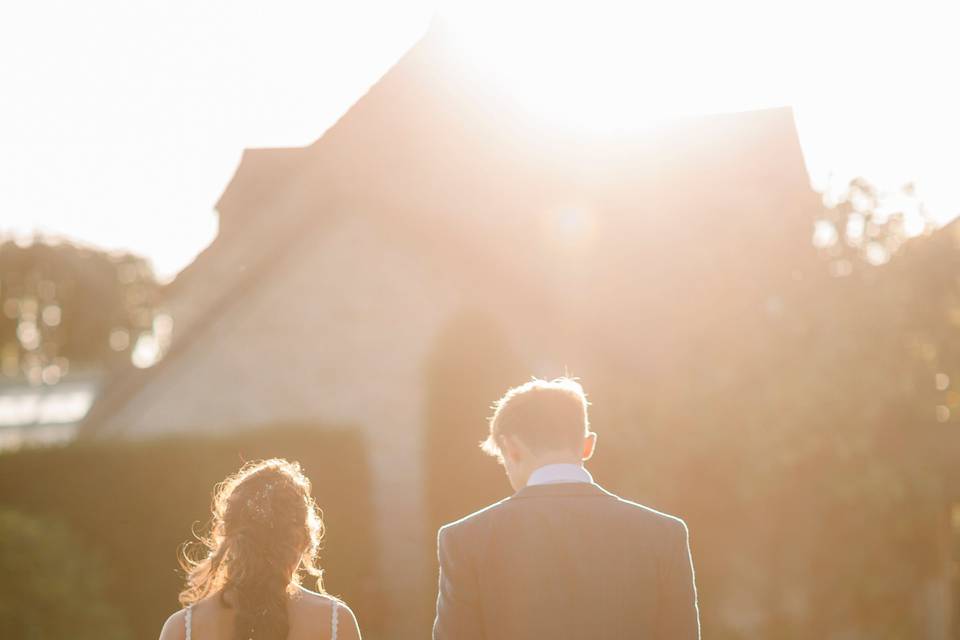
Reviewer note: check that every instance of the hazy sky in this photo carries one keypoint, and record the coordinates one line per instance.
(122, 121)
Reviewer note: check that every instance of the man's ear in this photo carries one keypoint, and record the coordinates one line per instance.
(589, 445)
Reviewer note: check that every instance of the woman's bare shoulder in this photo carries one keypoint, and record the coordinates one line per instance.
(175, 627)
(319, 608)
(313, 599)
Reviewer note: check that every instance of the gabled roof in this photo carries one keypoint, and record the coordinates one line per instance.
(259, 176)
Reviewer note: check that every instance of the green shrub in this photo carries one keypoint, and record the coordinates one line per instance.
(52, 584)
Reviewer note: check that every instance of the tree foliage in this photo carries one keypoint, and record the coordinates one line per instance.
(63, 305)
(801, 443)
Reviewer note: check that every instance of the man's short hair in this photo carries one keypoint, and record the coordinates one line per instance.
(546, 415)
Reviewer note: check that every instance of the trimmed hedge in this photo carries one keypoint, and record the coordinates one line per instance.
(52, 585)
(135, 503)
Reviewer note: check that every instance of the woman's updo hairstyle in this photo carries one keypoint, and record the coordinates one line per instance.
(265, 532)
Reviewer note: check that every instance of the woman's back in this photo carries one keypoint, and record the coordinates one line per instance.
(312, 616)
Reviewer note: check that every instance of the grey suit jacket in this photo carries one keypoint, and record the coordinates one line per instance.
(564, 561)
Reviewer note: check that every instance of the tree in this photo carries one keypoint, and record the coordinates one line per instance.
(62, 305)
(869, 225)
(799, 441)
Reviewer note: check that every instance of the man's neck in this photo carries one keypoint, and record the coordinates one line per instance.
(553, 458)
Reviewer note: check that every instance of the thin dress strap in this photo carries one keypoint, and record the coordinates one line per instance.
(333, 620)
(188, 620)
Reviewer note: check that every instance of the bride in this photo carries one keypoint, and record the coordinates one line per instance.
(246, 586)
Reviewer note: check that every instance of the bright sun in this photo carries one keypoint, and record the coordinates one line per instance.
(619, 66)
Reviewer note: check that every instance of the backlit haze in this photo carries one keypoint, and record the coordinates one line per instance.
(122, 122)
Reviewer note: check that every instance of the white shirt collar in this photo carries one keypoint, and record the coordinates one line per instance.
(557, 473)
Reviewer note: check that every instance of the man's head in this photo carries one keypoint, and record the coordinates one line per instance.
(538, 423)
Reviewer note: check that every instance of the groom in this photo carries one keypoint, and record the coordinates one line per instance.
(562, 557)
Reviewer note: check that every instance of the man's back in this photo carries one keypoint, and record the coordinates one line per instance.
(566, 560)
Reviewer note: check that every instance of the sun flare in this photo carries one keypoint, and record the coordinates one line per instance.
(613, 67)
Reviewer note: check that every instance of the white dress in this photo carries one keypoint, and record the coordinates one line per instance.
(188, 620)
